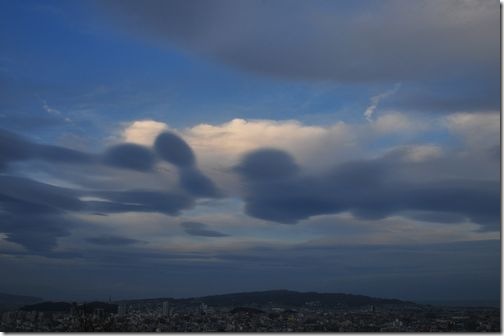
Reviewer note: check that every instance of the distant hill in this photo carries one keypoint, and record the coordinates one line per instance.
(13, 302)
(296, 299)
(91, 306)
(242, 301)
(150, 300)
(281, 298)
(49, 306)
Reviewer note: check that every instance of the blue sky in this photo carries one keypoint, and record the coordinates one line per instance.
(317, 130)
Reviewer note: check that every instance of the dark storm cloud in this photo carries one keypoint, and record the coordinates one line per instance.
(24, 201)
(168, 146)
(126, 156)
(33, 213)
(130, 156)
(18, 190)
(38, 233)
(175, 150)
(200, 229)
(267, 164)
(389, 40)
(20, 195)
(16, 148)
(170, 203)
(369, 189)
(112, 240)
(196, 183)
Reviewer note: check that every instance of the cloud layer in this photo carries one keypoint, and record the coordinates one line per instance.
(317, 40)
(25, 201)
(422, 182)
(200, 229)
(368, 189)
(371, 127)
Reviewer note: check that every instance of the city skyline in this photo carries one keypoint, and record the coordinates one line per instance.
(191, 148)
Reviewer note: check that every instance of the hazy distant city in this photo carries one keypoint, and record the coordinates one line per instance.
(271, 311)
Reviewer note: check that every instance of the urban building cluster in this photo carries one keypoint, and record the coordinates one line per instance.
(166, 317)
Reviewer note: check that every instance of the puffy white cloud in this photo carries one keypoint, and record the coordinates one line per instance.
(220, 146)
(143, 132)
(228, 141)
(223, 144)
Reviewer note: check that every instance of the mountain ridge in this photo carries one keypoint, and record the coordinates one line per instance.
(279, 296)
(13, 301)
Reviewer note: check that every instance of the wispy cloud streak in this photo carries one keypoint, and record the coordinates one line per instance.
(375, 101)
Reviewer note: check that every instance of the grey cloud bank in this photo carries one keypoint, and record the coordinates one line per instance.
(200, 229)
(369, 189)
(130, 156)
(449, 45)
(16, 148)
(275, 188)
(327, 39)
(33, 213)
(173, 149)
(112, 240)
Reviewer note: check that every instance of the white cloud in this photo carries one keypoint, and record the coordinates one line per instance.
(222, 145)
(422, 153)
(479, 130)
(227, 142)
(219, 147)
(396, 122)
(143, 132)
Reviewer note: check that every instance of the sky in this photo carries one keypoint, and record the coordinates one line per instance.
(184, 148)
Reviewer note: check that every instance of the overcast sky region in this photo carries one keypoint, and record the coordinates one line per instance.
(183, 148)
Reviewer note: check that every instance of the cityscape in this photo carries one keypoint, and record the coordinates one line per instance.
(348, 313)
